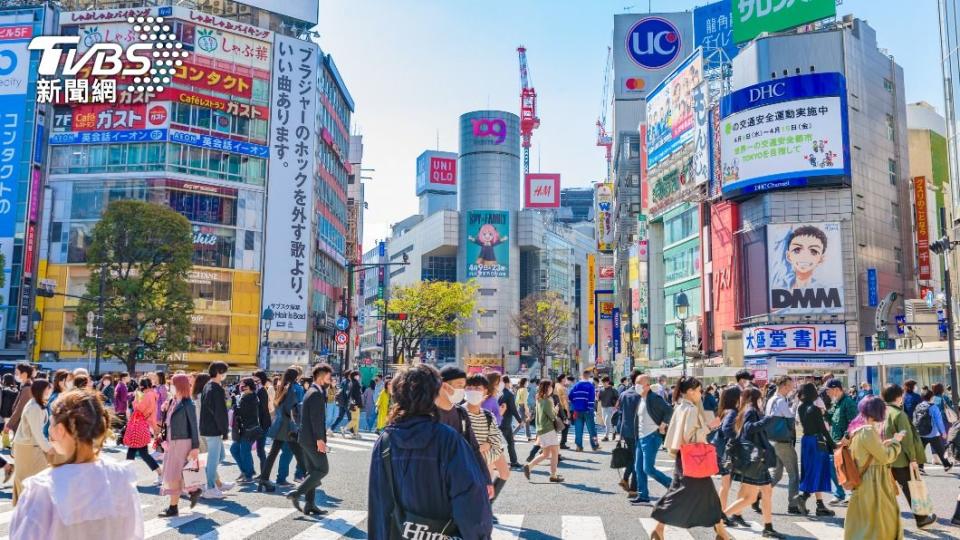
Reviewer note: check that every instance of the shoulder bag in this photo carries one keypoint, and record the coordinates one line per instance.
(402, 520)
(620, 456)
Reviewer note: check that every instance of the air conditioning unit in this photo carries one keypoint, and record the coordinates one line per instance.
(921, 319)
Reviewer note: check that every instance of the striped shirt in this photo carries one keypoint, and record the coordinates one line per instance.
(487, 432)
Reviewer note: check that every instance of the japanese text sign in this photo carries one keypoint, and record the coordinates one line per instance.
(795, 339)
(487, 243)
(754, 17)
(923, 227)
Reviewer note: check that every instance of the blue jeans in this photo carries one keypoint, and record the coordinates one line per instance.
(215, 454)
(331, 413)
(283, 464)
(645, 463)
(585, 417)
(242, 452)
(838, 491)
(370, 419)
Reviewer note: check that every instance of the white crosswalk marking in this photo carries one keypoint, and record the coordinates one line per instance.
(352, 442)
(508, 527)
(822, 530)
(753, 533)
(580, 527)
(158, 526)
(347, 447)
(248, 525)
(333, 526)
(673, 533)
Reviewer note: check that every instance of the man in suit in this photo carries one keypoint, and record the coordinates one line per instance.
(313, 441)
(506, 425)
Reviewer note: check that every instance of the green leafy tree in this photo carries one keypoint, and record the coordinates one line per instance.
(433, 308)
(543, 324)
(144, 252)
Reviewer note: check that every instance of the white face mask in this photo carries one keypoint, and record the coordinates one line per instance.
(638, 388)
(474, 397)
(457, 396)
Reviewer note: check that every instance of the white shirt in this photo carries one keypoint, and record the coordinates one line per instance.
(645, 426)
(30, 430)
(70, 501)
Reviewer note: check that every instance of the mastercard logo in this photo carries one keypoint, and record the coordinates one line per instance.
(635, 84)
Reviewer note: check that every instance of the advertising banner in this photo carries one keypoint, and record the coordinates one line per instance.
(785, 133)
(923, 227)
(217, 143)
(725, 279)
(701, 168)
(603, 215)
(436, 172)
(616, 330)
(795, 339)
(647, 48)
(229, 106)
(286, 281)
(104, 137)
(106, 117)
(233, 48)
(754, 17)
(873, 292)
(541, 190)
(487, 241)
(606, 311)
(805, 268)
(670, 115)
(713, 31)
(591, 298)
(120, 33)
(213, 79)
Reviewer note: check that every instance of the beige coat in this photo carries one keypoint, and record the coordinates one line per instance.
(688, 425)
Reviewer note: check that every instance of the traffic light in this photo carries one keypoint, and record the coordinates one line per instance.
(396, 316)
(940, 246)
(45, 290)
(139, 354)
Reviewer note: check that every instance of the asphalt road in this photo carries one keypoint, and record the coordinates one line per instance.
(589, 505)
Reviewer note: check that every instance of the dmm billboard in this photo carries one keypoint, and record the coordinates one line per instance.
(805, 268)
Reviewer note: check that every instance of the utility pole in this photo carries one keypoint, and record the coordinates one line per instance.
(943, 247)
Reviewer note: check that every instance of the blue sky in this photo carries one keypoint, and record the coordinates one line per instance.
(413, 66)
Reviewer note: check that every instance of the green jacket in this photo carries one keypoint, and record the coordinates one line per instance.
(840, 415)
(545, 415)
(911, 448)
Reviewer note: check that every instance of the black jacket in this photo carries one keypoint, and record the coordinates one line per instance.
(314, 415)
(247, 416)
(813, 424)
(213, 411)
(263, 408)
(182, 423)
(658, 409)
(356, 394)
(510, 401)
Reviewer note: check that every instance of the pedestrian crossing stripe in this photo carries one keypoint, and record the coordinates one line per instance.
(334, 526)
(249, 524)
(582, 527)
(160, 525)
(508, 527)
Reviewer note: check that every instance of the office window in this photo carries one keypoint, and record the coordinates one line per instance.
(891, 132)
(895, 212)
(892, 171)
(888, 85)
(898, 258)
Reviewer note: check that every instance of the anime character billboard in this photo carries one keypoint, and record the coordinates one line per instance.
(805, 268)
(487, 246)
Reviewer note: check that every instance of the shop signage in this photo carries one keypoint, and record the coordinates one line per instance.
(233, 48)
(654, 42)
(713, 31)
(213, 79)
(541, 190)
(795, 339)
(873, 292)
(113, 117)
(603, 215)
(436, 172)
(591, 298)
(217, 143)
(103, 137)
(923, 227)
(754, 17)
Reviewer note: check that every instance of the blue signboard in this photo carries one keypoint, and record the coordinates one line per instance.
(14, 78)
(102, 137)
(217, 143)
(873, 295)
(343, 324)
(616, 329)
(713, 31)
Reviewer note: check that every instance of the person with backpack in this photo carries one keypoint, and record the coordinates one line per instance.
(928, 419)
(487, 431)
(423, 474)
(841, 412)
(873, 512)
(912, 453)
(910, 397)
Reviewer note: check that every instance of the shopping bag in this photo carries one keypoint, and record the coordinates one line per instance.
(699, 460)
(920, 501)
(193, 475)
(620, 456)
(137, 434)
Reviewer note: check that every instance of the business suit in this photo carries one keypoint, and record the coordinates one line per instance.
(506, 425)
(312, 429)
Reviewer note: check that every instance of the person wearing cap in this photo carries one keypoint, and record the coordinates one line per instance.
(744, 379)
(842, 411)
(452, 413)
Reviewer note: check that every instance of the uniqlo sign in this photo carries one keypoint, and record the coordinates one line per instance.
(443, 171)
(542, 190)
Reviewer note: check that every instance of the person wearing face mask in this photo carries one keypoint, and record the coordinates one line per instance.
(30, 446)
(508, 403)
(452, 413)
(486, 430)
(24, 374)
(653, 417)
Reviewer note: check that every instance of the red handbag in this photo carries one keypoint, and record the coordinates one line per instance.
(699, 460)
(138, 432)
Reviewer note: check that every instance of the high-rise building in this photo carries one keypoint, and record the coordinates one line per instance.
(576, 205)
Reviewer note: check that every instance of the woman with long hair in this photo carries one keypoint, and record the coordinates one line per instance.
(816, 447)
(548, 438)
(754, 477)
(143, 426)
(491, 400)
(31, 448)
(729, 407)
(689, 502)
(183, 445)
(59, 384)
(82, 493)
(285, 426)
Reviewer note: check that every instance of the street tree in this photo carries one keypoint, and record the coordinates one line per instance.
(143, 252)
(543, 323)
(433, 309)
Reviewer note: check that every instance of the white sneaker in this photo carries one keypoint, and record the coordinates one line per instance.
(227, 486)
(838, 502)
(158, 481)
(212, 494)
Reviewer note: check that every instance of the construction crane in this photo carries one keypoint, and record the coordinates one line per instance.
(603, 138)
(528, 108)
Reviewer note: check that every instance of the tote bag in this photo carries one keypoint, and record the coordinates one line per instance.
(193, 475)
(920, 501)
(699, 460)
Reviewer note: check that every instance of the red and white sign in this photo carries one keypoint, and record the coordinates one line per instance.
(606, 272)
(443, 171)
(542, 190)
(923, 227)
(108, 117)
(341, 338)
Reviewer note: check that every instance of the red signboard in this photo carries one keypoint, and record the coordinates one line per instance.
(923, 227)
(443, 171)
(29, 242)
(607, 272)
(244, 110)
(724, 220)
(542, 190)
(8, 33)
(218, 80)
(107, 117)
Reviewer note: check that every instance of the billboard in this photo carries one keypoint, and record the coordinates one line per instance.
(647, 48)
(591, 298)
(795, 339)
(487, 244)
(603, 215)
(107, 117)
(785, 133)
(754, 17)
(235, 49)
(923, 227)
(670, 110)
(541, 190)
(713, 32)
(287, 246)
(805, 268)
(437, 172)
(725, 275)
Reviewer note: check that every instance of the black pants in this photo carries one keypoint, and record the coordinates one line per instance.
(563, 435)
(267, 468)
(507, 431)
(629, 474)
(939, 447)
(145, 455)
(902, 476)
(317, 467)
(344, 412)
(262, 451)
(533, 452)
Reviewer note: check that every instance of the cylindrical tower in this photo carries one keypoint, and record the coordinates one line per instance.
(488, 252)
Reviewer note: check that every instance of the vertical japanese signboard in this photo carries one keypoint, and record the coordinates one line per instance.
(591, 298)
(290, 183)
(603, 215)
(923, 227)
(702, 166)
(713, 31)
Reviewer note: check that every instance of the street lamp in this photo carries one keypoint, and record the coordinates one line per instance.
(682, 307)
(267, 319)
(943, 247)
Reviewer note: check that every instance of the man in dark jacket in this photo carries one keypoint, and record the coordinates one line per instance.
(24, 373)
(506, 425)
(343, 400)
(432, 470)
(214, 426)
(263, 413)
(313, 441)
(910, 397)
(653, 415)
(628, 404)
(450, 412)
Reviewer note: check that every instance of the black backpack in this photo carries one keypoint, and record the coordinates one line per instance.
(922, 419)
(7, 401)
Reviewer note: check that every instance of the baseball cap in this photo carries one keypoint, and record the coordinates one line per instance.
(744, 374)
(452, 373)
(834, 383)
